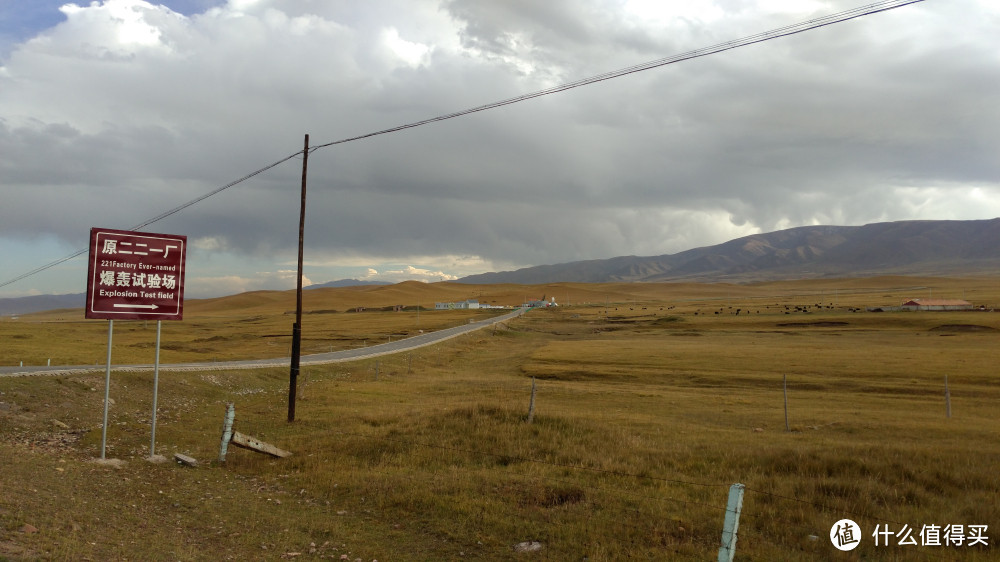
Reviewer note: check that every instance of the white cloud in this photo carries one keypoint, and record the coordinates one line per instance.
(124, 19)
(209, 243)
(205, 287)
(411, 53)
(793, 6)
(947, 203)
(662, 13)
(410, 273)
(406, 273)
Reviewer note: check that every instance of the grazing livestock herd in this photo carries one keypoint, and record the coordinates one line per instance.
(785, 308)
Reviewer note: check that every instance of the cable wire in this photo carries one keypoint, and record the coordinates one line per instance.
(159, 217)
(821, 506)
(785, 31)
(705, 51)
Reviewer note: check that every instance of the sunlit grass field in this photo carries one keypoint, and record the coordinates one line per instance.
(651, 400)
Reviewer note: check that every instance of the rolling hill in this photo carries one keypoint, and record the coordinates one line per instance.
(915, 248)
(26, 305)
(345, 283)
(931, 248)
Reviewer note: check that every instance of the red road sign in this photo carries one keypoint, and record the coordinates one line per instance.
(135, 275)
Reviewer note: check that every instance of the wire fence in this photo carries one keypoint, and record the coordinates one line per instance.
(773, 520)
(753, 533)
(614, 485)
(546, 486)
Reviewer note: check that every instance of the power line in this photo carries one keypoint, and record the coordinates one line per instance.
(44, 267)
(705, 51)
(211, 193)
(159, 217)
(785, 31)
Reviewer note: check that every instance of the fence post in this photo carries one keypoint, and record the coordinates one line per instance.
(227, 430)
(531, 405)
(732, 523)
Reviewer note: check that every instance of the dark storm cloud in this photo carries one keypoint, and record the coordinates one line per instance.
(888, 117)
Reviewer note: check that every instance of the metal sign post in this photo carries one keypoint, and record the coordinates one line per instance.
(134, 276)
(156, 384)
(107, 389)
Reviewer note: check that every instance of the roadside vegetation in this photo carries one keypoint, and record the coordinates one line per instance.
(651, 400)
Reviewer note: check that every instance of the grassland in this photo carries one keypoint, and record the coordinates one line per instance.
(651, 401)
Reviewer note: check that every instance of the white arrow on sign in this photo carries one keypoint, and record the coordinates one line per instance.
(149, 306)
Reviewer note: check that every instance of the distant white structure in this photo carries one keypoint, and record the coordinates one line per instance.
(937, 304)
(541, 303)
(463, 305)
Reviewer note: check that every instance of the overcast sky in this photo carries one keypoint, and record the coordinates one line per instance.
(114, 112)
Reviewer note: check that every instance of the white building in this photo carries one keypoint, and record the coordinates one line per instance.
(464, 305)
(937, 304)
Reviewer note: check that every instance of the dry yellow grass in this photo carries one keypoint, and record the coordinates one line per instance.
(645, 415)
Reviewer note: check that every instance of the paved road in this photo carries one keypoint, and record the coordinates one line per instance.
(414, 342)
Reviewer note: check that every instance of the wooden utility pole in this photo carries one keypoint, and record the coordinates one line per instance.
(297, 327)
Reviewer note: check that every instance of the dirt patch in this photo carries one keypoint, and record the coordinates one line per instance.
(210, 339)
(578, 375)
(11, 548)
(827, 324)
(113, 463)
(963, 328)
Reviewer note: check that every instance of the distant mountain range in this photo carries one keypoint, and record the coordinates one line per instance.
(932, 248)
(346, 283)
(926, 248)
(27, 305)
(24, 305)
